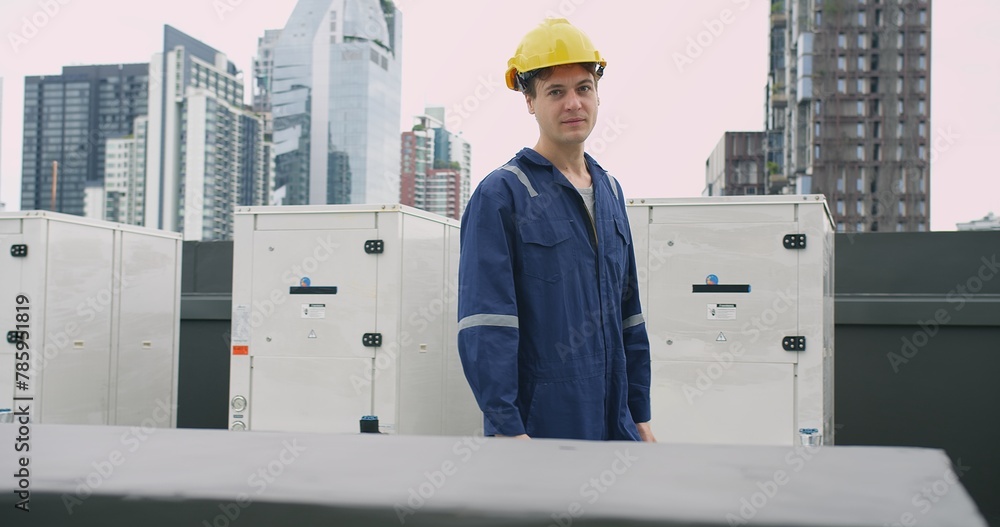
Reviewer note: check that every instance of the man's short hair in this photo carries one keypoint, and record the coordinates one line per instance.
(528, 78)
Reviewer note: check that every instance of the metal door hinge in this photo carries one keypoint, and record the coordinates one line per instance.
(374, 246)
(372, 340)
(794, 241)
(794, 343)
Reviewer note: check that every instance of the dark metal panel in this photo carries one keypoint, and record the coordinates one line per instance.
(203, 375)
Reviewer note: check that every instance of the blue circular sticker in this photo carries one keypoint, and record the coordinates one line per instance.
(712, 279)
(305, 282)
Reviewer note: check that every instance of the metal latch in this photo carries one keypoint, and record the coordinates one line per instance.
(794, 343)
(374, 246)
(372, 340)
(794, 241)
(19, 250)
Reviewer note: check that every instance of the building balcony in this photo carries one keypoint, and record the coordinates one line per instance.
(779, 18)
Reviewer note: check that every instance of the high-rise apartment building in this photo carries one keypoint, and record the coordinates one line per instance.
(736, 166)
(124, 190)
(435, 166)
(206, 151)
(851, 104)
(67, 120)
(335, 98)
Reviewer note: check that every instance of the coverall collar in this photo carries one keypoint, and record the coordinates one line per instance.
(596, 172)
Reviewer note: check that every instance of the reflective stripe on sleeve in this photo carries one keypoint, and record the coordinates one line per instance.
(471, 321)
(633, 320)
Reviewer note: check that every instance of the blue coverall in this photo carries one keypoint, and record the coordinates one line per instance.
(551, 334)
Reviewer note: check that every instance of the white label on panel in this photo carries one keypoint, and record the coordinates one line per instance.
(241, 325)
(722, 311)
(313, 310)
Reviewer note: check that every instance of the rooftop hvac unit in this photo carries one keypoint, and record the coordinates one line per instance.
(738, 298)
(90, 312)
(342, 312)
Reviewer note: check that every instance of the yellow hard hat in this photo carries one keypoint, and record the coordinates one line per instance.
(555, 41)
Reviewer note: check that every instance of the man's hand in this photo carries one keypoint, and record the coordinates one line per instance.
(522, 436)
(646, 432)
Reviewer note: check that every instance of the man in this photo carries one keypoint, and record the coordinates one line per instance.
(551, 334)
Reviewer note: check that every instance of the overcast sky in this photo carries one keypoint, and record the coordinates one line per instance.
(658, 121)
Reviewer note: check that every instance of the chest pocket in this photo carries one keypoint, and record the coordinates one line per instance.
(618, 248)
(544, 243)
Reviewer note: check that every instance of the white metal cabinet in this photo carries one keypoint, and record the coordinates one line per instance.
(309, 283)
(721, 292)
(104, 318)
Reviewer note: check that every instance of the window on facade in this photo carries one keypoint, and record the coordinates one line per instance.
(876, 129)
(861, 108)
(860, 207)
(816, 128)
(900, 227)
(861, 129)
(899, 152)
(859, 183)
(922, 62)
(921, 227)
(861, 227)
(860, 86)
(840, 226)
(861, 63)
(859, 153)
(841, 85)
(900, 40)
(902, 208)
(841, 183)
(840, 207)
(922, 107)
(923, 16)
(819, 18)
(899, 63)
(899, 85)
(862, 19)
(841, 63)
(899, 107)
(876, 152)
(816, 152)
(923, 40)
(873, 85)
(922, 152)
(841, 41)
(862, 41)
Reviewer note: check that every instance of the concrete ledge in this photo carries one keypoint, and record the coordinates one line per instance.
(89, 475)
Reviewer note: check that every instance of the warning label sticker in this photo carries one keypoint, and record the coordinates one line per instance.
(721, 311)
(241, 325)
(313, 310)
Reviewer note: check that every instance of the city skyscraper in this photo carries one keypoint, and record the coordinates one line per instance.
(848, 111)
(124, 188)
(67, 119)
(206, 151)
(335, 99)
(435, 166)
(736, 166)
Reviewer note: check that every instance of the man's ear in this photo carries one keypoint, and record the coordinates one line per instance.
(529, 103)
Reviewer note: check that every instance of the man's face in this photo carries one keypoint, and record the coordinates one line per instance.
(565, 105)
